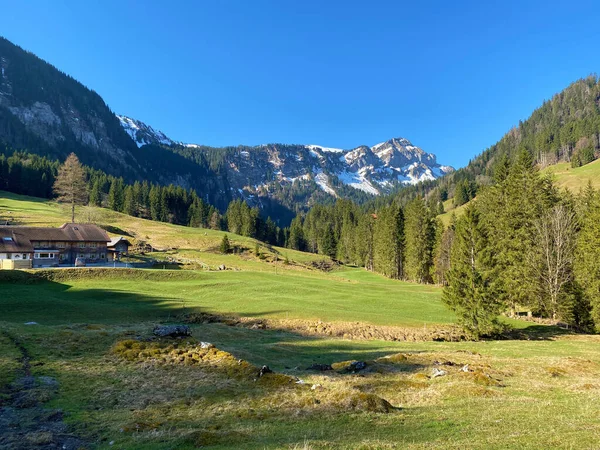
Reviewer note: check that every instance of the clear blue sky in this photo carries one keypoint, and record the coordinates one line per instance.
(452, 77)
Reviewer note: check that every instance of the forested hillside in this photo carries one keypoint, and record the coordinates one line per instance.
(565, 128)
(46, 112)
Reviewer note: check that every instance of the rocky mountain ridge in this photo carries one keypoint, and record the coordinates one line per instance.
(374, 170)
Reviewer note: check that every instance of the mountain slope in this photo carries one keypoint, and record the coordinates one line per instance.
(564, 128)
(372, 170)
(46, 112)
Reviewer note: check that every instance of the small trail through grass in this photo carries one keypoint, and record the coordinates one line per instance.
(25, 423)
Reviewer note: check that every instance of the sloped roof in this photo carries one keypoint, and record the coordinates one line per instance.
(84, 232)
(14, 241)
(21, 237)
(114, 241)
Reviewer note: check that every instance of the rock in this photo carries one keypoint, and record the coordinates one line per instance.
(206, 345)
(222, 267)
(357, 366)
(316, 387)
(369, 403)
(48, 381)
(172, 330)
(438, 373)
(264, 370)
(299, 381)
(465, 368)
(320, 367)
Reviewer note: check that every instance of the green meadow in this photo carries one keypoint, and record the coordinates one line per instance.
(117, 386)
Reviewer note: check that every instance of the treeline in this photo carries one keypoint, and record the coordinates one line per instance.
(396, 241)
(565, 128)
(523, 245)
(29, 174)
(246, 221)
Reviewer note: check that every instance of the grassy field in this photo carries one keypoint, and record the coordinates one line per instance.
(577, 178)
(97, 370)
(194, 245)
(521, 394)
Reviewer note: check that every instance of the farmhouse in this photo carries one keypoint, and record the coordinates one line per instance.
(117, 247)
(26, 247)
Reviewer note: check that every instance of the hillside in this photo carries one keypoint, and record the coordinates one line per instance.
(563, 128)
(99, 372)
(46, 112)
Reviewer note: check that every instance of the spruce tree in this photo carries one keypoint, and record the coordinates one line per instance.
(96, 194)
(420, 238)
(587, 260)
(470, 293)
(225, 246)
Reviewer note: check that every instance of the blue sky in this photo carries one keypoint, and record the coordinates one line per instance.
(452, 77)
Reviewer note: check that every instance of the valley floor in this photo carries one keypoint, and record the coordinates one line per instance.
(86, 370)
(80, 367)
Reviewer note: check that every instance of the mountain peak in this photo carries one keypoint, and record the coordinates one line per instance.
(143, 134)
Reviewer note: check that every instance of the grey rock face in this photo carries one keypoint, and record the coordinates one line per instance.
(172, 331)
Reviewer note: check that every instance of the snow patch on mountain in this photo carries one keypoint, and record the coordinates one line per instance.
(322, 181)
(357, 181)
(316, 148)
(374, 170)
(143, 134)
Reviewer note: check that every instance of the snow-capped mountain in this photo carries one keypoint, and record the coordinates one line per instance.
(143, 134)
(253, 170)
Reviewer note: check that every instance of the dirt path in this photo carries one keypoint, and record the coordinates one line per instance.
(24, 421)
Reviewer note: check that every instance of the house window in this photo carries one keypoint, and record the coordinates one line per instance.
(60, 245)
(82, 245)
(7, 239)
(93, 256)
(93, 244)
(81, 255)
(44, 255)
(24, 255)
(102, 256)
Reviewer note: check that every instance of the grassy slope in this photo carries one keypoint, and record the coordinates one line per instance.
(564, 176)
(259, 288)
(33, 211)
(577, 178)
(346, 296)
(545, 397)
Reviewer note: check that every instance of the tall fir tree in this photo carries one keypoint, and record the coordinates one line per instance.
(470, 289)
(420, 240)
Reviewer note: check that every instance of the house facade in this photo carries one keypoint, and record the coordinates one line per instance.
(117, 247)
(50, 247)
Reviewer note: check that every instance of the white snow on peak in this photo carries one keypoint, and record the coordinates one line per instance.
(325, 149)
(143, 134)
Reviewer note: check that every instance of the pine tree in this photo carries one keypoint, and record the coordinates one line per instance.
(96, 194)
(470, 293)
(70, 185)
(296, 239)
(225, 246)
(116, 194)
(129, 202)
(327, 244)
(388, 242)
(420, 239)
(155, 203)
(587, 260)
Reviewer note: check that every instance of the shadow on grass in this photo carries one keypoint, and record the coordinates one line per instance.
(538, 332)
